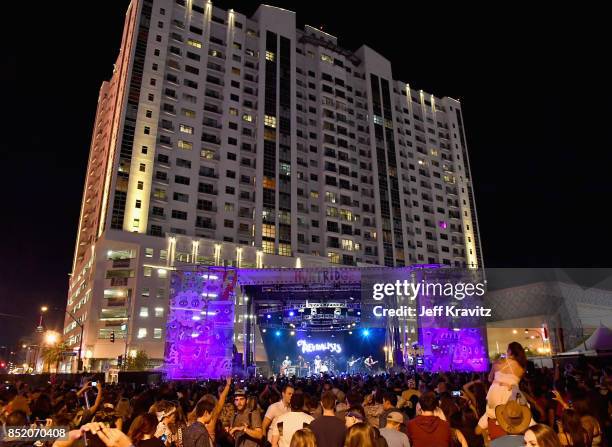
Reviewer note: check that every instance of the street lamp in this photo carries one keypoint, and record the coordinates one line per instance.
(51, 337)
(80, 325)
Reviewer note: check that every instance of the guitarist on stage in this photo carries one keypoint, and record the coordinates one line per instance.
(369, 363)
(350, 365)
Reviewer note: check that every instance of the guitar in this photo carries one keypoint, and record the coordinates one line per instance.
(370, 364)
(351, 363)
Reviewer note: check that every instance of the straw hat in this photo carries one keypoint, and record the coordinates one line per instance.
(512, 417)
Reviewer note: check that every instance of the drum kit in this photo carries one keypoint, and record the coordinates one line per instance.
(324, 367)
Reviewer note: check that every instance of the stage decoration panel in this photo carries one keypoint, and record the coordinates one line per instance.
(451, 342)
(200, 329)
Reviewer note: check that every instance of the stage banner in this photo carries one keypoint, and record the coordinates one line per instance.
(199, 336)
(447, 306)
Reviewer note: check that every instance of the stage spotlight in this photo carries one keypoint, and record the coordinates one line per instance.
(358, 313)
(277, 333)
(292, 333)
(365, 333)
(268, 316)
(264, 330)
(291, 313)
(350, 332)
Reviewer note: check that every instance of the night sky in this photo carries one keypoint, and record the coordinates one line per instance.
(531, 84)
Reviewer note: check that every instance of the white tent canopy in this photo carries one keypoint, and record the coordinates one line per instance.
(600, 340)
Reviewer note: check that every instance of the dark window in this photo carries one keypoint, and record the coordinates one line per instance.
(181, 180)
(182, 215)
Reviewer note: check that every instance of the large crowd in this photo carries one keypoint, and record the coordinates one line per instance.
(514, 405)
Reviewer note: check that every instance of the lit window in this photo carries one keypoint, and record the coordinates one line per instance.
(159, 194)
(162, 273)
(347, 244)
(142, 332)
(284, 217)
(284, 249)
(236, 71)
(334, 258)
(248, 118)
(327, 58)
(284, 169)
(330, 197)
(233, 111)
(332, 211)
(144, 312)
(314, 194)
(270, 56)
(194, 43)
(346, 215)
(188, 113)
(269, 134)
(268, 231)
(157, 332)
(267, 246)
(147, 271)
(186, 129)
(207, 154)
(269, 183)
(163, 254)
(145, 292)
(270, 121)
(159, 311)
(148, 252)
(185, 145)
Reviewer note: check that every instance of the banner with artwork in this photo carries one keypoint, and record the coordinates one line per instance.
(200, 329)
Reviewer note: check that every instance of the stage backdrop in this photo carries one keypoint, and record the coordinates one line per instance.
(199, 335)
(337, 345)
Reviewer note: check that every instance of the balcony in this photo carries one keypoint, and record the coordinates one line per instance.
(213, 94)
(119, 282)
(212, 109)
(211, 123)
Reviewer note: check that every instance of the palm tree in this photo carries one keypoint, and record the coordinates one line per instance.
(53, 355)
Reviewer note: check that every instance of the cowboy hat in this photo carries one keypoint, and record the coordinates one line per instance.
(512, 417)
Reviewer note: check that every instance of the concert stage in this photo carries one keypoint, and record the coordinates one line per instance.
(312, 321)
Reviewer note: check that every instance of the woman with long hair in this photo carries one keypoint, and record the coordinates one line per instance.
(142, 431)
(360, 435)
(588, 420)
(571, 432)
(541, 435)
(505, 374)
(476, 392)
(303, 438)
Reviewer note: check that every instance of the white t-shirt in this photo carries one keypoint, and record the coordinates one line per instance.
(291, 422)
(274, 411)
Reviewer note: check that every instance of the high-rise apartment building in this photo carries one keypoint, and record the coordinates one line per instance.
(223, 139)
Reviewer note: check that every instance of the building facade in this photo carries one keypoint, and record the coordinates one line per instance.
(224, 139)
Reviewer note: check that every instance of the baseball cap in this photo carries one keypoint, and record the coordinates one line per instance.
(395, 416)
(240, 393)
(354, 414)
